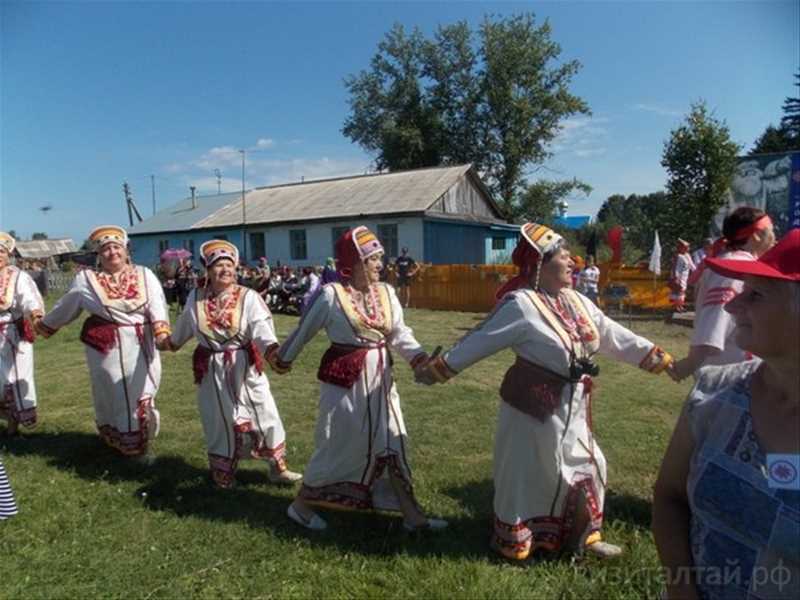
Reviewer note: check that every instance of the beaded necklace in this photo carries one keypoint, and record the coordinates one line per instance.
(122, 285)
(370, 312)
(219, 308)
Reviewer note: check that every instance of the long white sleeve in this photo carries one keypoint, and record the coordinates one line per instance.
(186, 325)
(157, 303)
(28, 299)
(615, 340)
(260, 326)
(402, 338)
(502, 328)
(69, 306)
(314, 319)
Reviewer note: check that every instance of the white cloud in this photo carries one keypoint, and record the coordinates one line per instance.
(656, 109)
(581, 137)
(264, 143)
(587, 152)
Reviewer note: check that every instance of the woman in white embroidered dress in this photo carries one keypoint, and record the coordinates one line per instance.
(233, 328)
(360, 459)
(20, 303)
(127, 314)
(549, 473)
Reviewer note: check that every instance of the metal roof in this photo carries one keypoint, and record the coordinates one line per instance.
(182, 216)
(45, 248)
(411, 191)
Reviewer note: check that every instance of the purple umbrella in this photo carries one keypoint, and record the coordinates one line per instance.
(175, 254)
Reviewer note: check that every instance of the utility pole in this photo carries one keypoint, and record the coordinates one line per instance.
(219, 181)
(244, 213)
(132, 210)
(153, 190)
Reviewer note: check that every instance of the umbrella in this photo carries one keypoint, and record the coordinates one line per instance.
(175, 254)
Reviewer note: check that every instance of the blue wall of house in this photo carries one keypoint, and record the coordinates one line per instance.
(466, 243)
(145, 248)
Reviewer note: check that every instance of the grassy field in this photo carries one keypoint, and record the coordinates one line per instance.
(92, 525)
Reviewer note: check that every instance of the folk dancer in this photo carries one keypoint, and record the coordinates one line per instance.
(20, 304)
(127, 315)
(549, 473)
(747, 234)
(682, 267)
(360, 459)
(233, 328)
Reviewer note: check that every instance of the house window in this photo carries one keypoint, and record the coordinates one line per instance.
(297, 244)
(336, 233)
(257, 246)
(189, 245)
(162, 246)
(498, 243)
(387, 234)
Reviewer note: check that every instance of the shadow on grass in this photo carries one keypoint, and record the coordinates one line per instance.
(172, 485)
(627, 508)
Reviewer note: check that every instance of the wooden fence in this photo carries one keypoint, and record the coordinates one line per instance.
(472, 287)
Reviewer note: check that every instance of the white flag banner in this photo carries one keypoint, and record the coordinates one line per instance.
(655, 256)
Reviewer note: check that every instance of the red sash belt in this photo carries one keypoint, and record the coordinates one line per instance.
(24, 329)
(342, 364)
(202, 356)
(100, 334)
(532, 389)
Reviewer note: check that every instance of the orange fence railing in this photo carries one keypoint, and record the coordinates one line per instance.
(472, 288)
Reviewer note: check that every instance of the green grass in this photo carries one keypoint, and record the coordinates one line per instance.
(92, 525)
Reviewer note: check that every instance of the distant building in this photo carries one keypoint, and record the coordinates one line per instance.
(442, 214)
(44, 249)
(574, 222)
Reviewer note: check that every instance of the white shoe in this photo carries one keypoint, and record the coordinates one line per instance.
(285, 477)
(315, 523)
(430, 525)
(604, 550)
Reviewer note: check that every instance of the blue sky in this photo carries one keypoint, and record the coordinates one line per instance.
(100, 92)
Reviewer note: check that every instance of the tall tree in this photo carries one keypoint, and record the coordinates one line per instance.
(700, 159)
(785, 137)
(40, 235)
(495, 97)
(640, 215)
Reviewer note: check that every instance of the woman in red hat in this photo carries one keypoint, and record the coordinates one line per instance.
(20, 303)
(233, 328)
(360, 459)
(726, 508)
(747, 234)
(549, 473)
(127, 315)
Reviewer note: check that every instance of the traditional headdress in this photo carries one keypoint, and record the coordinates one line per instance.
(7, 242)
(212, 250)
(354, 246)
(534, 243)
(106, 234)
(683, 245)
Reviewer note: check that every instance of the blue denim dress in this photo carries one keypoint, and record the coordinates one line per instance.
(745, 535)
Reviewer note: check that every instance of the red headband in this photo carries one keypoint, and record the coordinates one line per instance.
(526, 258)
(744, 234)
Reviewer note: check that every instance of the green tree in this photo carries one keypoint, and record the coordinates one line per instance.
(495, 98)
(785, 137)
(700, 159)
(39, 235)
(542, 199)
(640, 215)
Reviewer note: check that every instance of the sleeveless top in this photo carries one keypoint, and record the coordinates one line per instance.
(744, 534)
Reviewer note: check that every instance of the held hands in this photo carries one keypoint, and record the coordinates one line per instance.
(164, 343)
(423, 371)
(680, 369)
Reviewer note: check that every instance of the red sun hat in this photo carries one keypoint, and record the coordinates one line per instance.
(781, 262)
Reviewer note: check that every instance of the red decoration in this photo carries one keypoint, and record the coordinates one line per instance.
(614, 239)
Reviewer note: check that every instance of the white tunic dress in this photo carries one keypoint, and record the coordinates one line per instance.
(236, 405)
(124, 365)
(542, 463)
(19, 299)
(360, 430)
(681, 269)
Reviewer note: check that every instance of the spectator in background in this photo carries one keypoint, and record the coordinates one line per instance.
(185, 278)
(682, 266)
(589, 279)
(405, 269)
(699, 255)
(748, 233)
(576, 271)
(329, 274)
(263, 268)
